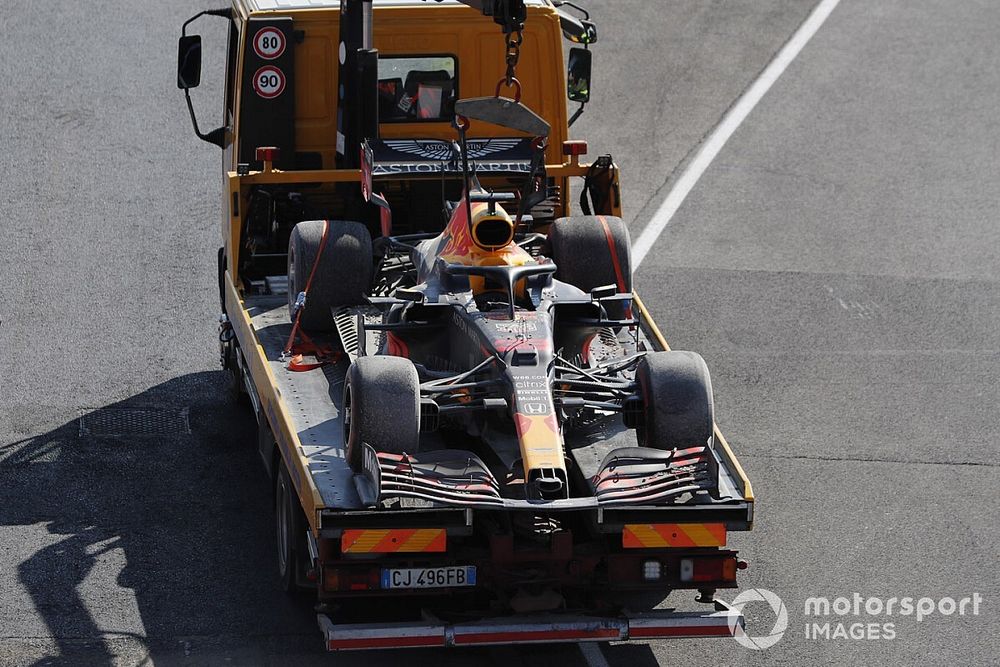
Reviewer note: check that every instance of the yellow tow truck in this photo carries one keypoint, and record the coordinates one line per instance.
(475, 430)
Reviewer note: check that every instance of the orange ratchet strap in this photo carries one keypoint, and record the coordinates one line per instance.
(294, 350)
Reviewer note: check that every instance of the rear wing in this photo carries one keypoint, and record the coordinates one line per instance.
(497, 155)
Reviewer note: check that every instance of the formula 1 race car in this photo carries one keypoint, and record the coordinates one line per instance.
(482, 354)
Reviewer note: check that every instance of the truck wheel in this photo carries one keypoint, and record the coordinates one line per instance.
(290, 530)
(237, 390)
(592, 251)
(677, 396)
(381, 407)
(344, 273)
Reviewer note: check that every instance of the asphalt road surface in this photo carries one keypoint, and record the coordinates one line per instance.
(837, 265)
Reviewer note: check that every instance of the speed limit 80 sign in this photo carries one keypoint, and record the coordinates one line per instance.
(269, 43)
(269, 82)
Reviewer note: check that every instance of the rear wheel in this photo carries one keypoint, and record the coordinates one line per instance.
(343, 274)
(593, 251)
(237, 388)
(677, 397)
(381, 407)
(290, 531)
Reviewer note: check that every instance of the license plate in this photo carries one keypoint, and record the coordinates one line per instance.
(430, 577)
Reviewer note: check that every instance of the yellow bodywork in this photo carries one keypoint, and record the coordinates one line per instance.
(460, 31)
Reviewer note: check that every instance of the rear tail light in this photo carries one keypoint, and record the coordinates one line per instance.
(351, 579)
(652, 570)
(708, 569)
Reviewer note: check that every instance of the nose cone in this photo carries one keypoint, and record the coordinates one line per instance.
(541, 447)
(547, 484)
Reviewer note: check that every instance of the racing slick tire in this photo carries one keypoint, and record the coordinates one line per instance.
(381, 407)
(592, 251)
(677, 397)
(290, 530)
(343, 274)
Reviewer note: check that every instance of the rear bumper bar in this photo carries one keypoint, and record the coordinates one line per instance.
(532, 629)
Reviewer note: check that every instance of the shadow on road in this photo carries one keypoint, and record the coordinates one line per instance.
(142, 533)
(156, 504)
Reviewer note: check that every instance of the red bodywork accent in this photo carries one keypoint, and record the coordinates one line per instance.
(619, 275)
(397, 346)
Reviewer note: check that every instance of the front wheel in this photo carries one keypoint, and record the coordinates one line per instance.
(678, 405)
(381, 407)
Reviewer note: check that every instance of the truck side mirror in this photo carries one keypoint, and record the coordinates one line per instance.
(189, 62)
(578, 77)
(576, 30)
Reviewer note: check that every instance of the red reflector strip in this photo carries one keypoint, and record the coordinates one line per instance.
(715, 624)
(658, 535)
(383, 541)
(692, 631)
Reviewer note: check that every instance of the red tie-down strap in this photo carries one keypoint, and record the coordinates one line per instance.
(299, 343)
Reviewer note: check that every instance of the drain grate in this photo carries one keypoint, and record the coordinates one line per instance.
(135, 422)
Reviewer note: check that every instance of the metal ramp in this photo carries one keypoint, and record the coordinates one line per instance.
(312, 399)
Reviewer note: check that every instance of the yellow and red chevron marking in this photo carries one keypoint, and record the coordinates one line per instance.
(651, 535)
(397, 540)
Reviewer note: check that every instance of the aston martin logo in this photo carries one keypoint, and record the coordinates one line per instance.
(432, 149)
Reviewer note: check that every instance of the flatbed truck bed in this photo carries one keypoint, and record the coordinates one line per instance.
(537, 472)
(310, 403)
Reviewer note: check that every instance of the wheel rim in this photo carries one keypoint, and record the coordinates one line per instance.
(282, 527)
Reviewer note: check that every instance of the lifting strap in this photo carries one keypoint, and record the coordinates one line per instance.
(299, 343)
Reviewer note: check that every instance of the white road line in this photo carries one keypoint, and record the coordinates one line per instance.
(725, 129)
(592, 654)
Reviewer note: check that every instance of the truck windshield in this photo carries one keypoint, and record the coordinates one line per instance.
(417, 88)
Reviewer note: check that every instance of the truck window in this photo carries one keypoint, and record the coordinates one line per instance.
(417, 88)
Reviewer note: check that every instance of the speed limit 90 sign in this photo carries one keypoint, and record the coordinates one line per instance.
(269, 43)
(269, 82)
